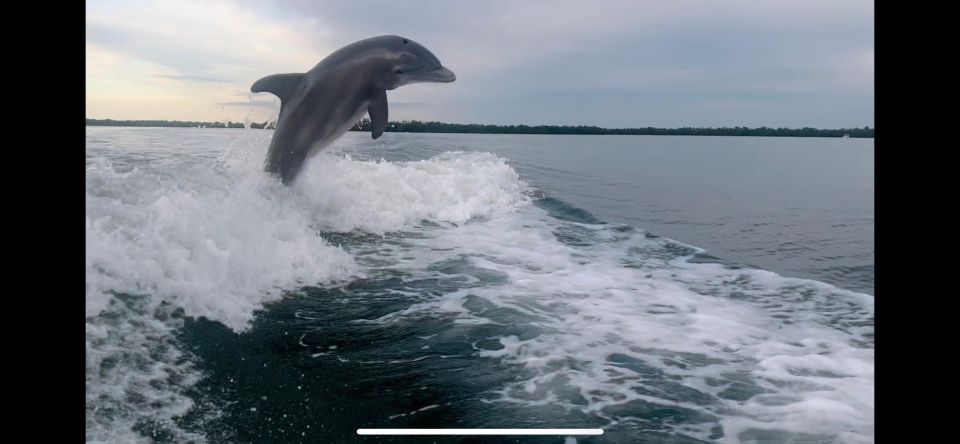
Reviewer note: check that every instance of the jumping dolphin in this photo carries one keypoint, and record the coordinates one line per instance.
(319, 106)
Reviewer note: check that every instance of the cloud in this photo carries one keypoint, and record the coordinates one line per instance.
(190, 78)
(270, 105)
(619, 63)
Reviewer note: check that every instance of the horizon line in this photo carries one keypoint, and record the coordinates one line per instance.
(514, 125)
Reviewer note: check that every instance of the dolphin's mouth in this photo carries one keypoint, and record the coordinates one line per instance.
(439, 75)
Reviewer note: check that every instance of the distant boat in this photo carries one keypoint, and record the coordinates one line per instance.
(846, 136)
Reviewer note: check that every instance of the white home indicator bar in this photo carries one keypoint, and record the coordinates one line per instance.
(479, 431)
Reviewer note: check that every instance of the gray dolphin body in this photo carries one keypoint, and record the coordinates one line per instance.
(319, 106)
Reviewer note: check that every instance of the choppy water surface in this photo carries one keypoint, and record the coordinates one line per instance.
(479, 281)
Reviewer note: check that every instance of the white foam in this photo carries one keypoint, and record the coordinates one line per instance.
(215, 236)
(636, 318)
(380, 196)
(218, 249)
(137, 376)
(224, 241)
(220, 239)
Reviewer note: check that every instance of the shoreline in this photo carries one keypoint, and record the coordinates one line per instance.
(457, 128)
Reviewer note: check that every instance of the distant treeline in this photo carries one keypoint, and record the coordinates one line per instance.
(415, 126)
(174, 123)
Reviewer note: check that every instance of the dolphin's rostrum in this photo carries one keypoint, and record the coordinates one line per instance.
(319, 106)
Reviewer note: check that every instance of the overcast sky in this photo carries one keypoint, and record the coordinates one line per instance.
(664, 63)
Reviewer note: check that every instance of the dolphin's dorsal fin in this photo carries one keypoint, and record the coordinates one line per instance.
(280, 85)
(378, 114)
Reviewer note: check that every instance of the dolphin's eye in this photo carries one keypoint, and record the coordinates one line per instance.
(405, 41)
(399, 71)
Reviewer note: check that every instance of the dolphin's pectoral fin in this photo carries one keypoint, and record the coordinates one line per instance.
(281, 85)
(378, 114)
